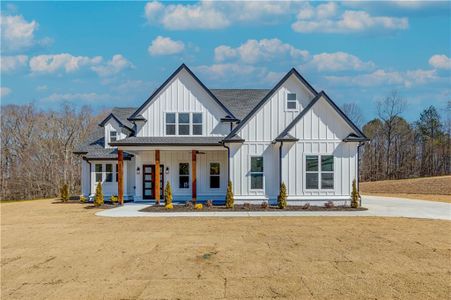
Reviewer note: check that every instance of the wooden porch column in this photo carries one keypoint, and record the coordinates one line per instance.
(193, 176)
(120, 176)
(157, 177)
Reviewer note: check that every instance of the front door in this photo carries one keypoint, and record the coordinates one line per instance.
(149, 181)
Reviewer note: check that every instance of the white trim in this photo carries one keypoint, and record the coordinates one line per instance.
(295, 101)
(304, 165)
(250, 174)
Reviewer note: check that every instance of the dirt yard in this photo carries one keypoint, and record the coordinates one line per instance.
(427, 188)
(63, 251)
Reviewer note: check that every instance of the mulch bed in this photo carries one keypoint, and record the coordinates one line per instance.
(104, 206)
(252, 207)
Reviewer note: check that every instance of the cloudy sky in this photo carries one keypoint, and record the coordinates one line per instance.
(115, 54)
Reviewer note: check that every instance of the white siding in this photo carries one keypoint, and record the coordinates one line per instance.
(171, 159)
(112, 125)
(183, 94)
(110, 188)
(85, 185)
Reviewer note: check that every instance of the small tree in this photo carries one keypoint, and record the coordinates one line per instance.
(167, 194)
(229, 195)
(354, 195)
(98, 198)
(282, 198)
(65, 193)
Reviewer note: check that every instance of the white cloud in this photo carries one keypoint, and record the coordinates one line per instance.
(338, 61)
(253, 51)
(4, 91)
(82, 97)
(16, 32)
(12, 63)
(41, 88)
(440, 62)
(324, 18)
(382, 77)
(64, 61)
(165, 46)
(221, 71)
(117, 64)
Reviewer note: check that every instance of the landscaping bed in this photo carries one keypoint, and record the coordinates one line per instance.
(247, 207)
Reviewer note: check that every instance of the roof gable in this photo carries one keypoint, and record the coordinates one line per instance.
(294, 72)
(321, 95)
(137, 113)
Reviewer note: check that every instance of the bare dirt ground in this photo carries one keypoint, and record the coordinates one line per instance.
(426, 188)
(63, 251)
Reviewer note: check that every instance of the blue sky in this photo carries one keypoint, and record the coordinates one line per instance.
(108, 54)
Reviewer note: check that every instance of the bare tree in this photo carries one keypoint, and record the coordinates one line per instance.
(353, 112)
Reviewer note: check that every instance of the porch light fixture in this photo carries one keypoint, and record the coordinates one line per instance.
(137, 170)
(167, 170)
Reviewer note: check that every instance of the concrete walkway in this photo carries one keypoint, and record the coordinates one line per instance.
(377, 207)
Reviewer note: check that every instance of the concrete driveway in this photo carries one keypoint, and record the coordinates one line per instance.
(377, 207)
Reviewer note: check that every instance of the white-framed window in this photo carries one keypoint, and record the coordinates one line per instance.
(196, 126)
(170, 123)
(257, 173)
(113, 136)
(98, 172)
(183, 123)
(319, 172)
(292, 102)
(184, 175)
(108, 172)
(215, 175)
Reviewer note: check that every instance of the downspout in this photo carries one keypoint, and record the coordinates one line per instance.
(358, 172)
(90, 176)
(228, 161)
(280, 163)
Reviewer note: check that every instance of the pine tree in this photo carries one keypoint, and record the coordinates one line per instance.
(282, 198)
(167, 194)
(354, 195)
(65, 193)
(98, 198)
(229, 195)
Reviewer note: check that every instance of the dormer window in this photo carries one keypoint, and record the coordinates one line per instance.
(292, 102)
(113, 136)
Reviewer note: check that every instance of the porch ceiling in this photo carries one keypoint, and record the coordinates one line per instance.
(170, 141)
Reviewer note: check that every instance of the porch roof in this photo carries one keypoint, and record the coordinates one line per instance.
(170, 141)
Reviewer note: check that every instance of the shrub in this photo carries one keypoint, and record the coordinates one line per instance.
(246, 205)
(114, 199)
(65, 193)
(229, 195)
(264, 204)
(167, 194)
(169, 206)
(306, 206)
(209, 203)
(282, 198)
(198, 206)
(329, 204)
(83, 199)
(98, 198)
(189, 204)
(354, 195)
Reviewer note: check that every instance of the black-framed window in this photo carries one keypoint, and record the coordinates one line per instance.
(215, 175)
(170, 124)
(117, 172)
(113, 136)
(184, 175)
(257, 172)
(99, 172)
(319, 171)
(197, 124)
(109, 173)
(292, 102)
(183, 121)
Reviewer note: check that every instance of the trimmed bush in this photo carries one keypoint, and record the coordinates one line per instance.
(264, 204)
(229, 195)
(198, 206)
(83, 199)
(209, 203)
(167, 194)
(247, 205)
(65, 193)
(98, 198)
(114, 199)
(354, 195)
(169, 206)
(329, 204)
(189, 204)
(282, 198)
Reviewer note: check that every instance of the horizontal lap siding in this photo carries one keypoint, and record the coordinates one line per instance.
(183, 94)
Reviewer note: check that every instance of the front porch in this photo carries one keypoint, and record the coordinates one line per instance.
(195, 173)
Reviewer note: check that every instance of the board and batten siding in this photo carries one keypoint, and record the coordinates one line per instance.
(113, 125)
(183, 94)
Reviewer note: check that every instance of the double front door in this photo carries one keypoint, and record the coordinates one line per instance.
(149, 180)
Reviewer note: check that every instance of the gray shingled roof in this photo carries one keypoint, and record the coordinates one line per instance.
(170, 141)
(122, 113)
(240, 101)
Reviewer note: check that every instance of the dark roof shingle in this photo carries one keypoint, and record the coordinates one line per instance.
(240, 101)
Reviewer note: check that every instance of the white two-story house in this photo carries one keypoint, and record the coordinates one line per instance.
(198, 139)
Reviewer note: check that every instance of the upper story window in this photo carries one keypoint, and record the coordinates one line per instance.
(317, 172)
(113, 136)
(184, 123)
(292, 102)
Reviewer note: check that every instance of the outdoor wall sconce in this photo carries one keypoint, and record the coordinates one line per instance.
(137, 170)
(167, 171)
